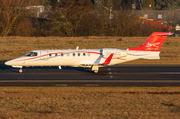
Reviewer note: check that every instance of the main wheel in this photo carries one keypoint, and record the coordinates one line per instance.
(95, 71)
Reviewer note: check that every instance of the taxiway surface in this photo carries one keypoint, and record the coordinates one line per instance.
(119, 75)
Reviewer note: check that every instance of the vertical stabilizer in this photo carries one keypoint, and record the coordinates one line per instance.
(154, 42)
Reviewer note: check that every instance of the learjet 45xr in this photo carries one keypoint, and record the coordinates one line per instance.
(92, 58)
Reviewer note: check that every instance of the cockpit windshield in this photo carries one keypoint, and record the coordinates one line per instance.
(31, 54)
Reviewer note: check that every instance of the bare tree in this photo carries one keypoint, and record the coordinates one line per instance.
(10, 11)
(69, 14)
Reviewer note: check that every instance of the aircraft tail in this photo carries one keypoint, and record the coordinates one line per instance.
(154, 42)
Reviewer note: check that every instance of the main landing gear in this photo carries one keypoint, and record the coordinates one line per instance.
(95, 69)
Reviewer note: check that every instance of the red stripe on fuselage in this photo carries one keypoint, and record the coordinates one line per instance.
(54, 53)
(28, 59)
(88, 52)
(121, 59)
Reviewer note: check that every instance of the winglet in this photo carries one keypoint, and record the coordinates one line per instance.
(108, 60)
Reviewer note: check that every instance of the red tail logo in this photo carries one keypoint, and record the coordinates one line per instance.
(154, 42)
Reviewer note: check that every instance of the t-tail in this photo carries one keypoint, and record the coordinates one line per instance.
(153, 43)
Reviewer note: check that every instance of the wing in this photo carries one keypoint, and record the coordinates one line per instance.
(106, 62)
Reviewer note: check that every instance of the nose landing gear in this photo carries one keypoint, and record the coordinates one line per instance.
(20, 70)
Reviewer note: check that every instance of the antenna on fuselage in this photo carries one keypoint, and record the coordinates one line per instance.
(77, 47)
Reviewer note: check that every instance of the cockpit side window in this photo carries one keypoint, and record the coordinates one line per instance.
(32, 54)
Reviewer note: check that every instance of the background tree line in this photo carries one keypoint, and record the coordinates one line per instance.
(77, 17)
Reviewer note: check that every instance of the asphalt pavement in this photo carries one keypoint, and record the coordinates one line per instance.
(119, 75)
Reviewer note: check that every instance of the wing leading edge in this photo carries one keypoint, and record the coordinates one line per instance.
(106, 62)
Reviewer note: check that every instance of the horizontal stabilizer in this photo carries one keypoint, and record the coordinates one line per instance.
(166, 34)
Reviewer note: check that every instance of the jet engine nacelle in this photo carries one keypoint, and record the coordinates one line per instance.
(117, 53)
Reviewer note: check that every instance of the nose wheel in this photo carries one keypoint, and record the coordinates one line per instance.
(20, 70)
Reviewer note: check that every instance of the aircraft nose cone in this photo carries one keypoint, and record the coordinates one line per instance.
(7, 63)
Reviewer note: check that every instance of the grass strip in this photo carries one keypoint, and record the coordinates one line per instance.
(89, 102)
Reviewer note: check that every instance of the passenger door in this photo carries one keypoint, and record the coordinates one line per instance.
(44, 54)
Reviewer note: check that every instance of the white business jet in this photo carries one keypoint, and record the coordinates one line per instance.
(91, 58)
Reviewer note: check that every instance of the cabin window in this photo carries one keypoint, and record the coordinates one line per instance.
(56, 54)
(32, 54)
(78, 54)
(62, 54)
(50, 55)
(73, 54)
(84, 54)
